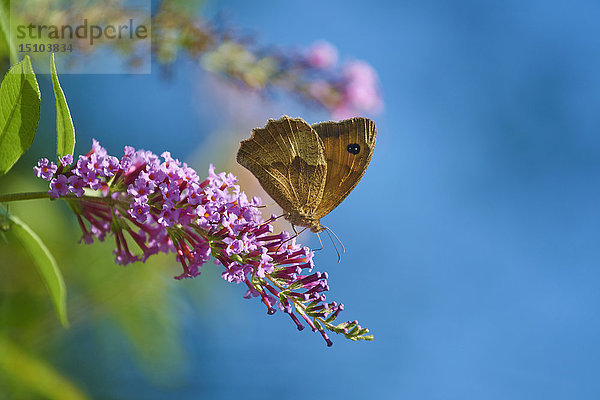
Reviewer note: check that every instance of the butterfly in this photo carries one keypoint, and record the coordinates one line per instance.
(309, 170)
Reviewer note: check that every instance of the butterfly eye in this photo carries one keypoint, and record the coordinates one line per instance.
(353, 148)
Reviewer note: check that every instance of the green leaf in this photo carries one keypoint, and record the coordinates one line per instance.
(65, 131)
(4, 28)
(34, 375)
(46, 266)
(19, 113)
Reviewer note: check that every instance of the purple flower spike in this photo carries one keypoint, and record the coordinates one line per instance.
(152, 205)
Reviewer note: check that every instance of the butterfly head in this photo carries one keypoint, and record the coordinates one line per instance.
(304, 219)
(316, 227)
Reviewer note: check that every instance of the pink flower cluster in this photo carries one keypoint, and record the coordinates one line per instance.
(159, 204)
(353, 92)
(322, 54)
(345, 89)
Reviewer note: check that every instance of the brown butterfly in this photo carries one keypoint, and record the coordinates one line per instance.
(309, 170)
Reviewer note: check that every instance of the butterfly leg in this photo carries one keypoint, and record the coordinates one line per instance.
(271, 220)
(266, 205)
(293, 237)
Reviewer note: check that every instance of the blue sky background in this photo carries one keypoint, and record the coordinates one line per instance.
(472, 240)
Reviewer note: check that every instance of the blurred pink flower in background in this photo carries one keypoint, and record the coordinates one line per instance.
(360, 91)
(319, 89)
(322, 54)
(345, 90)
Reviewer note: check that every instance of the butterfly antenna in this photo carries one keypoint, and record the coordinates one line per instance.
(338, 239)
(334, 246)
(320, 242)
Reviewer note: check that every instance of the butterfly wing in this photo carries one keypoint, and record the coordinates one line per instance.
(287, 158)
(348, 146)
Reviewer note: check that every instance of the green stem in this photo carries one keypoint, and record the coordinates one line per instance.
(9, 197)
(6, 198)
